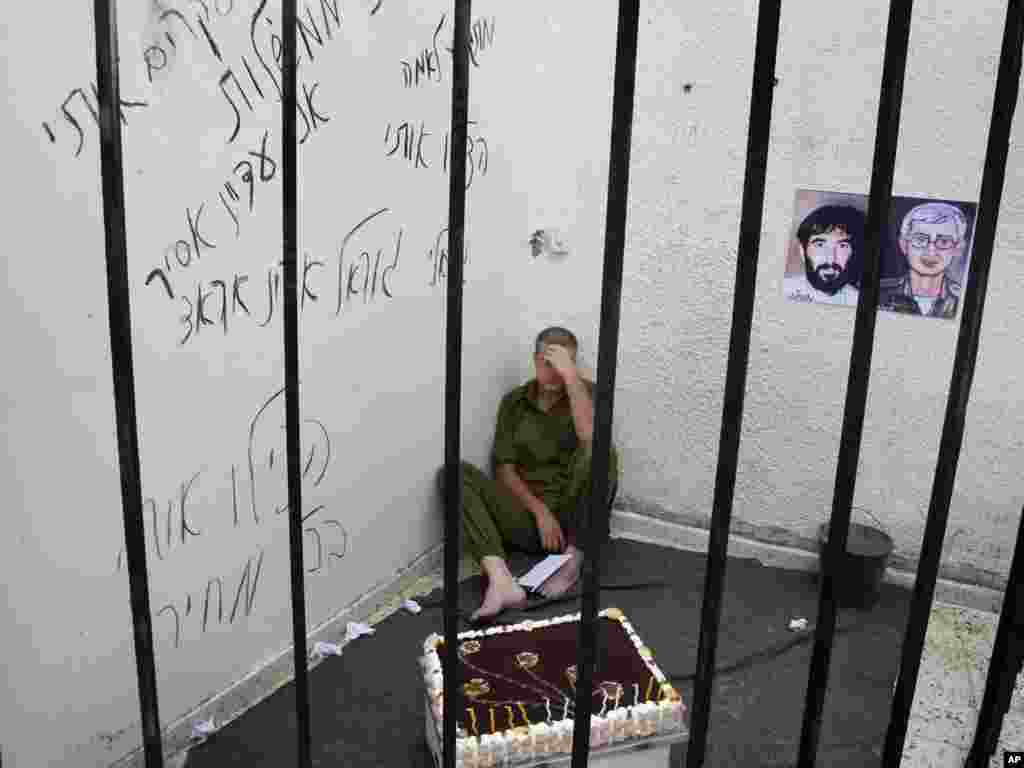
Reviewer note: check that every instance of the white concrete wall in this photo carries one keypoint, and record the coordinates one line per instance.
(373, 373)
(685, 195)
(210, 421)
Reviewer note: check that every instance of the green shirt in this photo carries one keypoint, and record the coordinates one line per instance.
(539, 444)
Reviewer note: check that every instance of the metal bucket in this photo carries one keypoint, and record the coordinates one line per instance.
(858, 579)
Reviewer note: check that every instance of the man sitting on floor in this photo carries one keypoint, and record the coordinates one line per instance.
(542, 452)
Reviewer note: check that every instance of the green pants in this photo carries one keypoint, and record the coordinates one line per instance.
(492, 518)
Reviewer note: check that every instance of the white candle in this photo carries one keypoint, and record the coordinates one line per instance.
(636, 694)
(565, 709)
(547, 705)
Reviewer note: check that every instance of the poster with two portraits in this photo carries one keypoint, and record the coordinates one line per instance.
(926, 246)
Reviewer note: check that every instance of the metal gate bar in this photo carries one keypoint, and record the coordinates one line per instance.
(290, 236)
(118, 305)
(886, 137)
(453, 375)
(597, 518)
(1005, 101)
(758, 133)
(1005, 665)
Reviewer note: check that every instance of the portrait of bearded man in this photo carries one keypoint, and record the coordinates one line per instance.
(831, 242)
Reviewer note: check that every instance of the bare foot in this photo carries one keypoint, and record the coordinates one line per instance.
(565, 578)
(500, 595)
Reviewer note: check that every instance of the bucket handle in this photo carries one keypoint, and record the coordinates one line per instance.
(871, 515)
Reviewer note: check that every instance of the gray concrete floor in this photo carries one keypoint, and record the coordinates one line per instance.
(950, 685)
(954, 668)
(949, 689)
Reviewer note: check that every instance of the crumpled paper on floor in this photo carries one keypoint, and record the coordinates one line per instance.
(203, 728)
(411, 606)
(357, 629)
(321, 648)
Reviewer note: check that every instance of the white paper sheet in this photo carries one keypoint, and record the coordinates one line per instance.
(542, 571)
(321, 648)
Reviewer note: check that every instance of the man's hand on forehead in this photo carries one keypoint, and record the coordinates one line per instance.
(561, 359)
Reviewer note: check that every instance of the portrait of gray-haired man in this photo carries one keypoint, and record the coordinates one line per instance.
(932, 239)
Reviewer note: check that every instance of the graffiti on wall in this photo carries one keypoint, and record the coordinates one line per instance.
(258, 501)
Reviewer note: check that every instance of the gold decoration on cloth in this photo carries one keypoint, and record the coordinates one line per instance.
(469, 647)
(645, 652)
(476, 687)
(527, 659)
(523, 710)
(570, 672)
(612, 688)
(614, 613)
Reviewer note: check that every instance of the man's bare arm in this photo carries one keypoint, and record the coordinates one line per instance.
(509, 477)
(552, 536)
(582, 408)
(579, 397)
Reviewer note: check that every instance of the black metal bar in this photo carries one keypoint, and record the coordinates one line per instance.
(596, 528)
(886, 139)
(1004, 103)
(758, 133)
(1005, 664)
(453, 375)
(290, 216)
(112, 171)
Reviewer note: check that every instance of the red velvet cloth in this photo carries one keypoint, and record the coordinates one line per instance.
(556, 646)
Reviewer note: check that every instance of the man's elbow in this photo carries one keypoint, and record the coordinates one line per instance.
(503, 472)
